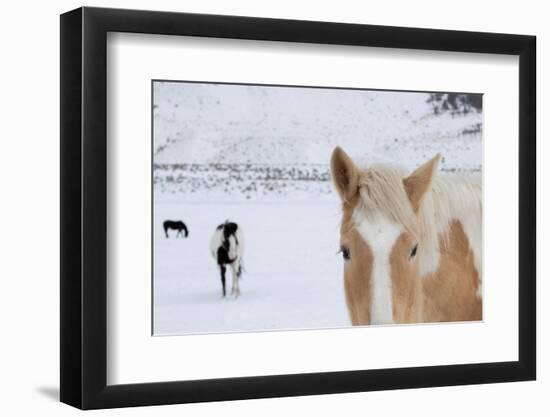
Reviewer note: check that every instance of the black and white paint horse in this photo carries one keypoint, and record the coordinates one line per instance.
(227, 246)
(175, 225)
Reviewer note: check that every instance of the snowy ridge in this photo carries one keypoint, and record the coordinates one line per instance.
(222, 141)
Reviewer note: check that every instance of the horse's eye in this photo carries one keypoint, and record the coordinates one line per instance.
(413, 251)
(345, 252)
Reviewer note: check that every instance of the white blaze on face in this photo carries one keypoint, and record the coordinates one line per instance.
(380, 234)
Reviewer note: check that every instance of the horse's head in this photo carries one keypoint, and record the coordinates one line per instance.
(381, 238)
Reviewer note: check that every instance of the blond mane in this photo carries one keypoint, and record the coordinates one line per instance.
(452, 197)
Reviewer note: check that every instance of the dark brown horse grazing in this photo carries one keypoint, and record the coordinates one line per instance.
(175, 225)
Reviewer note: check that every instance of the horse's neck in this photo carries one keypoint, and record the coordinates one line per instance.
(457, 198)
(452, 199)
(451, 281)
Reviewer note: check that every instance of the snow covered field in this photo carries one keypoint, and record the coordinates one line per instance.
(292, 278)
(259, 156)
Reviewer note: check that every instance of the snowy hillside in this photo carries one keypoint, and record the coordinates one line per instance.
(249, 142)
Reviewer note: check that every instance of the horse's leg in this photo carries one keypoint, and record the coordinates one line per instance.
(239, 271)
(222, 270)
(233, 284)
(235, 270)
(166, 231)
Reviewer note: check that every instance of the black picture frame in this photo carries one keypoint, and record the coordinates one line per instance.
(84, 207)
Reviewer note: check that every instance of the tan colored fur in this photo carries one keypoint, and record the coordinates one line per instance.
(442, 282)
(420, 181)
(450, 294)
(356, 282)
(406, 282)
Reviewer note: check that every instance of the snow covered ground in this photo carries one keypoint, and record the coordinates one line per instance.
(292, 278)
(260, 156)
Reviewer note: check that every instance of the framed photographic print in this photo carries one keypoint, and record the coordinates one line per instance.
(258, 207)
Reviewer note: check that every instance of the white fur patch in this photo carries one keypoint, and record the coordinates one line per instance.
(472, 228)
(463, 203)
(380, 234)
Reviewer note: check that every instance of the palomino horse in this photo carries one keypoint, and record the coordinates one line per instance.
(411, 244)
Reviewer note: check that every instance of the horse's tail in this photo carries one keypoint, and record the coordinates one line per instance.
(185, 230)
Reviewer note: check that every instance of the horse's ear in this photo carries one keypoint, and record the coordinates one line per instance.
(420, 181)
(345, 174)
